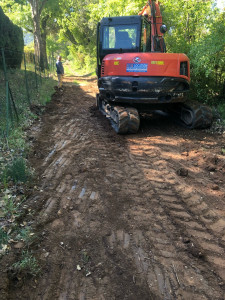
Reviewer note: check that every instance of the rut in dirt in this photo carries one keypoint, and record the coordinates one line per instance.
(116, 219)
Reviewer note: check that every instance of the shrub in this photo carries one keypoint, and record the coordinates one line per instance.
(17, 171)
(11, 39)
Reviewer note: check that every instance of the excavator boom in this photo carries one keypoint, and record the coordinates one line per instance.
(152, 11)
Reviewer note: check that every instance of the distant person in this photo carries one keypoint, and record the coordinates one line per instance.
(60, 71)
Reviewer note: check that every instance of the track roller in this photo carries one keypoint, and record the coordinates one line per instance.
(119, 119)
(123, 119)
(134, 120)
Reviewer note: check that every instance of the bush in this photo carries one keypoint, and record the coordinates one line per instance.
(11, 39)
(207, 60)
(17, 171)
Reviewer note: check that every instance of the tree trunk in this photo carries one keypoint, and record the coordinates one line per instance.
(38, 43)
(43, 37)
(45, 58)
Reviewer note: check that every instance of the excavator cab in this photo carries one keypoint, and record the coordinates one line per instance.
(123, 35)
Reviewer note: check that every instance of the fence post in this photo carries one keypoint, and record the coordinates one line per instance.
(7, 108)
(40, 75)
(53, 66)
(13, 103)
(7, 91)
(44, 67)
(48, 67)
(25, 69)
(35, 68)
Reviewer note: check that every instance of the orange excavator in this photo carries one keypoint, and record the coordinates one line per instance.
(136, 75)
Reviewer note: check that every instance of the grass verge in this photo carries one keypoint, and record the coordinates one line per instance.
(16, 176)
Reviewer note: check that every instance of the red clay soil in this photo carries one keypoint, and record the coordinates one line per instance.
(134, 217)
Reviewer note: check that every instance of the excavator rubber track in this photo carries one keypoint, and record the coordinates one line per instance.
(124, 120)
(134, 120)
(193, 115)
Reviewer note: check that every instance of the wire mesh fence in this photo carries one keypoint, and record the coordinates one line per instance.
(19, 86)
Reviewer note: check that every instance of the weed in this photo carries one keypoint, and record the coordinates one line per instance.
(85, 257)
(221, 109)
(48, 99)
(46, 91)
(4, 178)
(10, 204)
(17, 171)
(3, 237)
(25, 235)
(9, 207)
(27, 265)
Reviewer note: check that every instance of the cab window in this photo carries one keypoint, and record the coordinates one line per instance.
(120, 36)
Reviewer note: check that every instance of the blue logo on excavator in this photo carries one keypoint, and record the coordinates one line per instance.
(137, 59)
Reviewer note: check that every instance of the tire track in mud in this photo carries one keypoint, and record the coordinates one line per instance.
(78, 189)
(199, 224)
(171, 249)
(117, 222)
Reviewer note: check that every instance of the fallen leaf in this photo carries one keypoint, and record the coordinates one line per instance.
(78, 268)
(19, 245)
(4, 247)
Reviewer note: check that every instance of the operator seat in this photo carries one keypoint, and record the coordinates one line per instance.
(123, 40)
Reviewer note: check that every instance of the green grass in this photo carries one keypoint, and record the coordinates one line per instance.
(221, 110)
(13, 145)
(38, 91)
(26, 235)
(46, 90)
(3, 237)
(17, 231)
(27, 265)
(16, 140)
(14, 170)
(3, 178)
(72, 68)
(17, 171)
(9, 207)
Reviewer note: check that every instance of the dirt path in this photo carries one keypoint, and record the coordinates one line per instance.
(125, 217)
